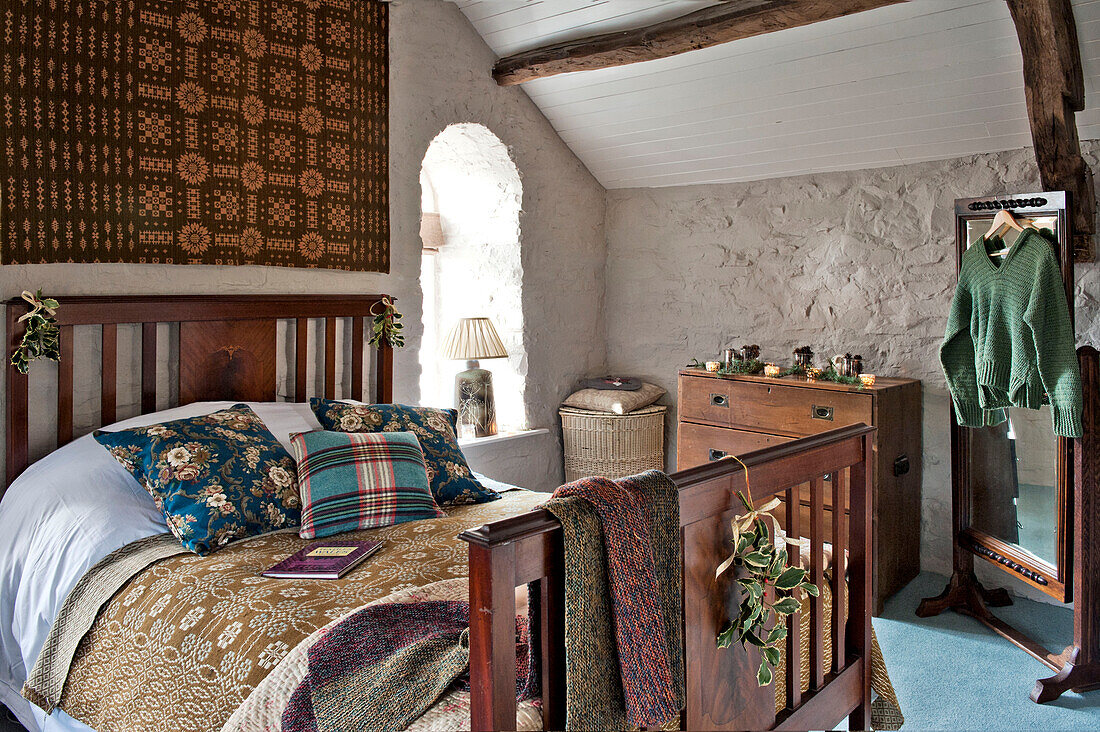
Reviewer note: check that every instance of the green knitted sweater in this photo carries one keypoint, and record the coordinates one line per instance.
(1009, 339)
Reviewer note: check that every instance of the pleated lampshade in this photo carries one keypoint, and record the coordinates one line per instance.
(471, 339)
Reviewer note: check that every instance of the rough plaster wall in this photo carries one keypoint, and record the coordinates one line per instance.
(439, 74)
(478, 195)
(855, 261)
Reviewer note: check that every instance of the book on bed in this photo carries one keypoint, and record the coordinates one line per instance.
(327, 560)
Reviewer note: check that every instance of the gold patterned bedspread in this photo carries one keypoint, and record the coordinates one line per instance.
(187, 639)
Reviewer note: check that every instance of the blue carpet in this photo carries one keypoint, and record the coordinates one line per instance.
(952, 673)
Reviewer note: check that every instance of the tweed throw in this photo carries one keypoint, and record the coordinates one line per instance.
(623, 644)
(385, 665)
(47, 680)
(189, 638)
(360, 481)
(263, 710)
(1009, 337)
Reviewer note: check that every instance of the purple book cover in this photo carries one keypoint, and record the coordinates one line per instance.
(326, 560)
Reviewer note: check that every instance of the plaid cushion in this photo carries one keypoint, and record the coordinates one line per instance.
(351, 481)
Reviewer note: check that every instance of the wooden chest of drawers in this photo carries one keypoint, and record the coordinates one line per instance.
(731, 415)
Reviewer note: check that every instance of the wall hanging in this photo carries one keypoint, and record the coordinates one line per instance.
(213, 132)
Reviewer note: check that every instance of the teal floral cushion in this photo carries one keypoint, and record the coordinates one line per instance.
(216, 478)
(452, 481)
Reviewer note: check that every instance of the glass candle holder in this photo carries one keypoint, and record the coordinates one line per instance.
(812, 373)
(771, 369)
(713, 366)
(867, 379)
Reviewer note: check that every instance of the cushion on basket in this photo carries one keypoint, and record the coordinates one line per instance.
(352, 481)
(616, 402)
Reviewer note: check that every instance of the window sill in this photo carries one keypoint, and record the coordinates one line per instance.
(502, 437)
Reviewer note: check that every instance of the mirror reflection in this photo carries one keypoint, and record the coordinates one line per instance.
(1014, 482)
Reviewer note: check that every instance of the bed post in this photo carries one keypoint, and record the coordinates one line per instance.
(492, 636)
(16, 454)
(860, 575)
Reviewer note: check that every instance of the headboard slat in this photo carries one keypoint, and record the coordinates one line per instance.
(330, 358)
(228, 340)
(357, 359)
(109, 374)
(301, 348)
(65, 387)
(148, 367)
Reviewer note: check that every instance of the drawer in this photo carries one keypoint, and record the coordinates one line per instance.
(697, 443)
(705, 400)
(794, 410)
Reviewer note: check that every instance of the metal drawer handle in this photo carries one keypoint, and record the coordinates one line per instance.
(716, 454)
(719, 400)
(822, 413)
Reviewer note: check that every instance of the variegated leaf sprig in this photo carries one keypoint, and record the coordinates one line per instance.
(42, 338)
(762, 566)
(387, 325)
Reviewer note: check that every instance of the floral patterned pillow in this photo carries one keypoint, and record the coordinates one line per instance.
(216, 478)
(452, 481)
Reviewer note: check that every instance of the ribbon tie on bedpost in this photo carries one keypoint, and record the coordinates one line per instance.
(622, 542)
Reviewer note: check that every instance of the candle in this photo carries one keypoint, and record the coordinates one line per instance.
(713, 366)
(867, 379)
(812, 373)
(771, 369)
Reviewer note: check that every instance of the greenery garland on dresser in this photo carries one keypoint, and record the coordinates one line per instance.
(756, 367)
(41, 337)
(761, 566)
(387, 325)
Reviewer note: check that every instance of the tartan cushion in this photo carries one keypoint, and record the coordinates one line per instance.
(452, 481)
(351, 481)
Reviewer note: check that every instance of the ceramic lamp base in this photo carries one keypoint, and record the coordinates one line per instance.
(474, 400)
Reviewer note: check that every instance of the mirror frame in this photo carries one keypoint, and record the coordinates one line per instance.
(1055, 581)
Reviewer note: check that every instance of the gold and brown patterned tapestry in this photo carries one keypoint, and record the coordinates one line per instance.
(195, 132)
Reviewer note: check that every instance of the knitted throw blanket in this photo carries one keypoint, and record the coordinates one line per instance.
(623, 637)
(384, 666)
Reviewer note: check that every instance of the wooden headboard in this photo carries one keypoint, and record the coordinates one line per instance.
(226, 349)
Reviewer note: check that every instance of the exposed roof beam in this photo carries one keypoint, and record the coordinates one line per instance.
(1055, 89)
(730, 21)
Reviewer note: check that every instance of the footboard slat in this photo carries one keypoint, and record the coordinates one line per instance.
(721, 688)
(817, 576)
(794, 621)
(840, 489)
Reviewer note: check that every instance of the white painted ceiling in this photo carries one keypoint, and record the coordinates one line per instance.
(923, 80)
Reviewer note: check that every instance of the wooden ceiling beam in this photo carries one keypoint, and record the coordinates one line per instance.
(730, 21)
(1055, 89)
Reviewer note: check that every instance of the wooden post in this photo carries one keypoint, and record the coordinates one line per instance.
(493, 637)
(1082, 666)
(1055, 89)
(860, 576)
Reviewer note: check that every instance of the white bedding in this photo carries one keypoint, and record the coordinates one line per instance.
(65, 513)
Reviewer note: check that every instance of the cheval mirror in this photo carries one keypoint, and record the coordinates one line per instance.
(1014, 481)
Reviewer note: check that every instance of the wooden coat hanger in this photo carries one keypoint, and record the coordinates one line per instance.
(1004, 222)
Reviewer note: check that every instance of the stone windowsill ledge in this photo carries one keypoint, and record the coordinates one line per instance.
(465, 442)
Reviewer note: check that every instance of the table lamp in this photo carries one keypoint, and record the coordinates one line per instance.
(469, 340)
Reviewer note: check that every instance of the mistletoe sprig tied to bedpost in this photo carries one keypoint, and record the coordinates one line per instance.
(387, 325)
(761, 566)
(41, 337)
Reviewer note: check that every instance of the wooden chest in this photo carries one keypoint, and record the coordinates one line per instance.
(731, 415)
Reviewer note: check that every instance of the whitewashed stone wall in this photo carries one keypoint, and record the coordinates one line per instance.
(439, 74)
(855, 261)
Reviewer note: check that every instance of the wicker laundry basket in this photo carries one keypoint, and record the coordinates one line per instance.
(612, 445)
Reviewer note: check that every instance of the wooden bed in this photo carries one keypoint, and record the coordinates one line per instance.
(243, 348)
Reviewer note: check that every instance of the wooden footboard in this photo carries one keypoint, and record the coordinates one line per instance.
(722, 692)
